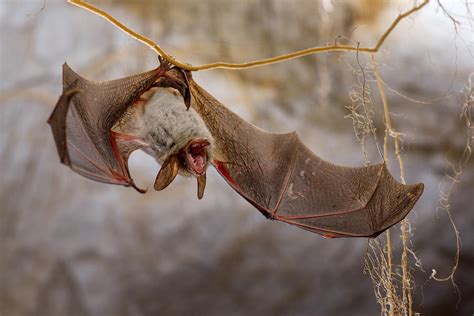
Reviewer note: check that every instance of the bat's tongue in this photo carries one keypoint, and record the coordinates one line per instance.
(196, 156)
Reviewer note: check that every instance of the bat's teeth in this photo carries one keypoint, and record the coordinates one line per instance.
(201, 182)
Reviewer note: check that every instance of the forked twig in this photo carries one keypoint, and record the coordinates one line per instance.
(300, 53)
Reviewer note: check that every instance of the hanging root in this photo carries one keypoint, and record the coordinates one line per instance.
(361, 108)
(392, 284)
(452, 177)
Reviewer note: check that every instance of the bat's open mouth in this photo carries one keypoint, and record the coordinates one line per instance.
(195, 156)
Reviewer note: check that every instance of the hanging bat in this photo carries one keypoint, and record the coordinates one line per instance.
(97, 125)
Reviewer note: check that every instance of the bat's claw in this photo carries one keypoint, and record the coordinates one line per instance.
(187, 101)
(171, 80)
(187, 93)
(165, 65)
(140, 190)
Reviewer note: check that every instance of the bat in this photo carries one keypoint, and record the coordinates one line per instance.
(97, 125)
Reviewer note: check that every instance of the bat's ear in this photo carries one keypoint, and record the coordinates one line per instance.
(167, 173)
(201, 181)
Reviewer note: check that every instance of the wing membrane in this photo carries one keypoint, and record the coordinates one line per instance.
(283, 179)
(83, 118)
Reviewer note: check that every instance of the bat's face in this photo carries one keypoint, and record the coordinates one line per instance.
(175, 136)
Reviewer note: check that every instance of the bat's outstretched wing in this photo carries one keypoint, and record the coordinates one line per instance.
(82, 120)
(283, 179)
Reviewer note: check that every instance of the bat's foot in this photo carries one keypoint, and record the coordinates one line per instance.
(165, 65)
(178, 79)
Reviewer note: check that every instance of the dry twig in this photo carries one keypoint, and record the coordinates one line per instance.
(309, 51)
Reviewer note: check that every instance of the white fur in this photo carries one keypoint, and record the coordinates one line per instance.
(163, 125)
(168, 126)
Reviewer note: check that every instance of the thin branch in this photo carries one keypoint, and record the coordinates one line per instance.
(389, 130)
(309, 51)
(388, 127)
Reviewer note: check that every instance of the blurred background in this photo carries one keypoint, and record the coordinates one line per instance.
(70, 246)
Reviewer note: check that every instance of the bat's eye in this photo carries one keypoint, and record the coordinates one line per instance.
(182, 160)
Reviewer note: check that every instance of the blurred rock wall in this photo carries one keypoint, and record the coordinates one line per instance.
(70, 246)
